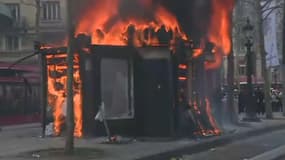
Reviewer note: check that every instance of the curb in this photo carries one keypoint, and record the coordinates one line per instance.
(211, 143)
(22, 126)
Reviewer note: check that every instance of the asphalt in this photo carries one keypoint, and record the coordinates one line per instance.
(263, 147)
(277, 153)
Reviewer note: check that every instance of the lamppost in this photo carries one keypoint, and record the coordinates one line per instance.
(251, 104)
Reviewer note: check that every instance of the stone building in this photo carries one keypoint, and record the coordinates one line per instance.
(42, 20)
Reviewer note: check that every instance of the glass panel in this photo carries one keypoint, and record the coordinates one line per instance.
(115, 88)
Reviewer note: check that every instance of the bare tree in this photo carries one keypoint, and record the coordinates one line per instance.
(268, 107)
(265, 9)
(283, 61)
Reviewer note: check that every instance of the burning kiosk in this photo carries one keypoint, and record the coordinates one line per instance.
(139, 86)
(141, 83)
(118, 77)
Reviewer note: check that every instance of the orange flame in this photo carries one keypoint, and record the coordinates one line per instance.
(201, 126)
(182, 66)
(220, 26)
(210, 116)
(219, 32)
(217, 62)
(182, 78)
(57, 96)
(96, 22)
(197, 52)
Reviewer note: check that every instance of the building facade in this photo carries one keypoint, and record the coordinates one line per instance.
(41, 20)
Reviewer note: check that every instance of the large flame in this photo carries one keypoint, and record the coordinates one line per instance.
(57, 79)
(210, 128)
(219, 31)
(220, 25)
(108, 27)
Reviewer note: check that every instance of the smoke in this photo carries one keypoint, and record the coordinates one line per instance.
(193, 15)
(137, 9)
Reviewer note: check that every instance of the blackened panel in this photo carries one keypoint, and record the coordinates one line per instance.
(155, 98)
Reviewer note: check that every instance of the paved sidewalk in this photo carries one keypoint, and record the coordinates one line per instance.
(20, 139)
(13, 127)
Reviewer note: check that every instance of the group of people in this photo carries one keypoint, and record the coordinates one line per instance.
(259, 100)
(276, 99)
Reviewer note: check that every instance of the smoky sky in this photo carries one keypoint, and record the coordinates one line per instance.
(193, 15)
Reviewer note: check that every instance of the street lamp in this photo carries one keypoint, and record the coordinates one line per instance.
(251, 104)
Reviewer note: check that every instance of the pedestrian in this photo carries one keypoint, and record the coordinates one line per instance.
(274, 101)
(279, 101)
(260, 101)
(241, 101)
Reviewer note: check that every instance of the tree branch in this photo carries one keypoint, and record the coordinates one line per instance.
(271, 8)
(266, 3)
(268, 14)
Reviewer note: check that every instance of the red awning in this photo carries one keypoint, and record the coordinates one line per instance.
(29, 71)
(21, 67)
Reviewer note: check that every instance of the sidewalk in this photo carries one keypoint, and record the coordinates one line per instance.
(147, 150)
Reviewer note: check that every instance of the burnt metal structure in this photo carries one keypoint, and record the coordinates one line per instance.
(135, 84)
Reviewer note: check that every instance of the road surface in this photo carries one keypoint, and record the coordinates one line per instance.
(243, 149)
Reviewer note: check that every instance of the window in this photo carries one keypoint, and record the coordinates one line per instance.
(51, 10)
(15, 10)
(12, 43)
(116, 89)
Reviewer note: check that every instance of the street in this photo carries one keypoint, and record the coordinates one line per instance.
(244, 149)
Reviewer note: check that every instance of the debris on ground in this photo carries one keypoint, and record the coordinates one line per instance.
(49, 130)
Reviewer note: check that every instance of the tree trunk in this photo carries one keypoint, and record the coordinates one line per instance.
(231, 77)
(231, 103)
(38, 14)
(283, 62)
(261, 46)
(42, 65)
(69, 143)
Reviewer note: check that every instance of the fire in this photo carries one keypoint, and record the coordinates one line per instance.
(217, 63)
(211, 118)
(220, 25)
(182, 66)
(219, 31)
(201, 125)
(197, 52)
(107, 27)
(57, 95)
(182, 78)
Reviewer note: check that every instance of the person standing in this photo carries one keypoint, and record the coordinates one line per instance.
(241, 101)
(260, 101)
